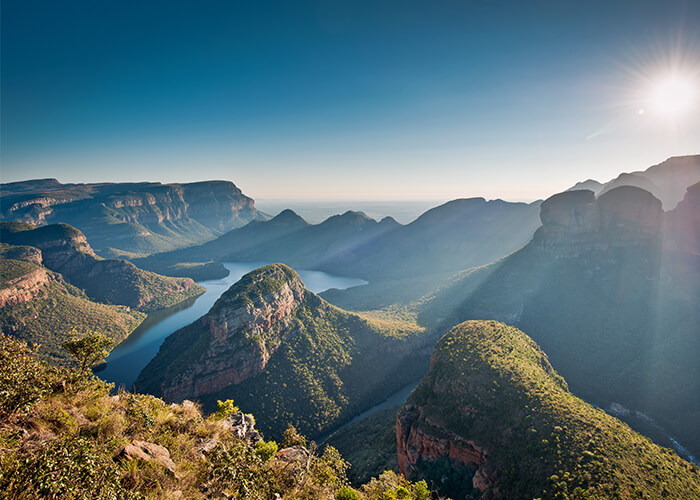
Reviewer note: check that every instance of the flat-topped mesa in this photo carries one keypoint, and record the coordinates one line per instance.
(575, 221)
(240, 333)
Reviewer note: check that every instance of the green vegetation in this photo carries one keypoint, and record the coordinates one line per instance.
(369, 445)
(134, 219)
(66, 251)
(492, 385)
(327, 364)
(198, 271)
(88, 348)
(63, 435)
(58, 308)
(11, 269)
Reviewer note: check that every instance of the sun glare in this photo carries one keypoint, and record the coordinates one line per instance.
(673, 97)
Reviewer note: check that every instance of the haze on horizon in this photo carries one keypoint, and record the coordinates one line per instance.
(349, 100)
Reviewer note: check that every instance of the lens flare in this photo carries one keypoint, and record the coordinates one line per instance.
(673, 97)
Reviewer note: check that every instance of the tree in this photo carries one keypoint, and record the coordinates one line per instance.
(292, 438)
(88, 349)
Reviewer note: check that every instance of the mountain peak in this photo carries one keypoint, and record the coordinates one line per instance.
(288, 216)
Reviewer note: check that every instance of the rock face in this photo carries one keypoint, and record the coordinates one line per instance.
(575, 221)
(242, 331)
(414, 444)
(65, 250)
(24, 288)
(133, 218)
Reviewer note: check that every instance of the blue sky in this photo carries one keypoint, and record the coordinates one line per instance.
(350, 100)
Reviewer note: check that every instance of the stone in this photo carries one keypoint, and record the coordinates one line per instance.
(148, 452)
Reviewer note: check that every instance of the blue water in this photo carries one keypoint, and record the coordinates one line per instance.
(127, 360)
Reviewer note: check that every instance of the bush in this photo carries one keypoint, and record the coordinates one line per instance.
(226, 409)
(23, 379)
(265, 449)
(347, 494)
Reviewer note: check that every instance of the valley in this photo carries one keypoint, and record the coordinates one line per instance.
(563, 313)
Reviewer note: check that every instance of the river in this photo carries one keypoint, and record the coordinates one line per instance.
(127, 360)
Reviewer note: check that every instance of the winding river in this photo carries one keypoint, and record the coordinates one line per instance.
(127, 360)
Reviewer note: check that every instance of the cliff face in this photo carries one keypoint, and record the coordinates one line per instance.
(65, 250)
(24, 288)
(415, 444)
(131, 218)
(577, 221)
(243, 330)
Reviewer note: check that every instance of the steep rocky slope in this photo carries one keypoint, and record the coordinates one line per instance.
(492, 419)
(131, 219)
(612, 298)
(286, 354)
(64, 249)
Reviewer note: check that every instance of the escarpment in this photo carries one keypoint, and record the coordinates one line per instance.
(132, 219)
(65, 250)
(243, 329)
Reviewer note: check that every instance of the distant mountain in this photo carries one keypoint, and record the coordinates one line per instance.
(53, 282)
(667, 181)
(278, 349)
(493, 419)
(458, 234)
(610, 288)
(131, 219)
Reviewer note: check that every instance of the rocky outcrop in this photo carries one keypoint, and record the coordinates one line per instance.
(24, 288)
(576, 221)
(148, 452)
(243, 331)
(242, 425)
(414, 443)
(65, 250)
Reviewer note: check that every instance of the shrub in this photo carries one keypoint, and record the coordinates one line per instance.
(226, 409)
(23, 379)
(347, 494)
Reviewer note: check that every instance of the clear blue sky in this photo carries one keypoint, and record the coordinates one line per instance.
(346, 99)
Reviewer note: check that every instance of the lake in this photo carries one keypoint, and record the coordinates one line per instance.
(127, 360)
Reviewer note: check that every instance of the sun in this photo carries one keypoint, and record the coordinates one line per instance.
(673, 96)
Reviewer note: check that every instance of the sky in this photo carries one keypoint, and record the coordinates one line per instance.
(334, 99)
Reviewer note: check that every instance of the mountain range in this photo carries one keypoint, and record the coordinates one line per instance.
(459, 234)
(131, 219)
